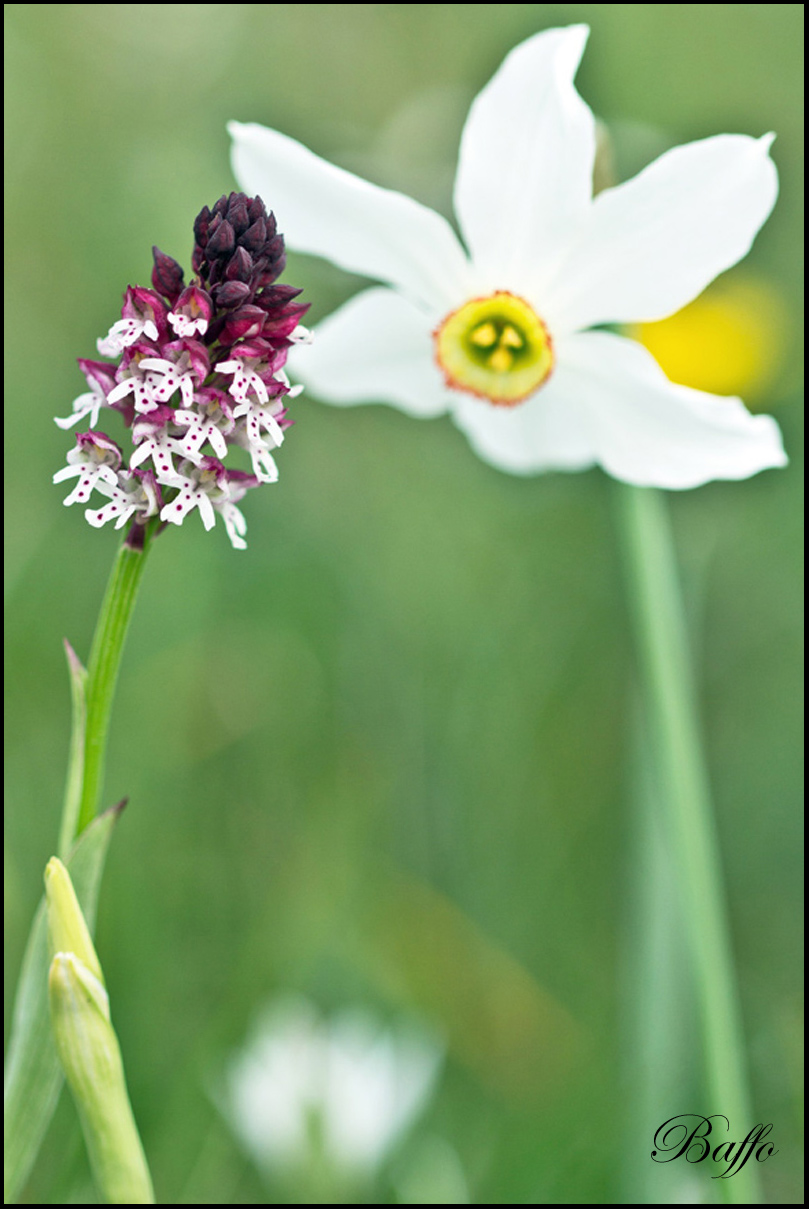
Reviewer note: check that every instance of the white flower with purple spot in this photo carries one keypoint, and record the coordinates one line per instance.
(247, 434)
(135, 379)
(260, 416)
(154, 439)
(246, 378)
(88, 406)
(144, 315)
(123, 333)
(184, 371)
(166, 380)
(212, 421)
(192, 313)
(94, 458)
(210, 487)
(136, 492)
(239, 484)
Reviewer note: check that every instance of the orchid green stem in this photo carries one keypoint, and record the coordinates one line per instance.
(687, 822)
(102, 671)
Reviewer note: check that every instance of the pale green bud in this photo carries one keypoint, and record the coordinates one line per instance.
(89, 1052)
(85, 1039)
(67, 928)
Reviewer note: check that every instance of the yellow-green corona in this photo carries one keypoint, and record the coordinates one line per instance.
(495, 347)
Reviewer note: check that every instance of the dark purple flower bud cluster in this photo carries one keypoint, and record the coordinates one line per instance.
(238, 250)
(198, 370)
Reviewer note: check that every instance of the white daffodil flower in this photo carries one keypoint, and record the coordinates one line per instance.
(497, 334)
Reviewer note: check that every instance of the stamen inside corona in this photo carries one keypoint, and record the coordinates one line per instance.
(496, 347)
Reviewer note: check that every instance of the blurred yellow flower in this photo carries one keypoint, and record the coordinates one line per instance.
(728, 341)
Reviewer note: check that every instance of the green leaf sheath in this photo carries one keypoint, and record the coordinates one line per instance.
(33, 1074)
(88, 1048)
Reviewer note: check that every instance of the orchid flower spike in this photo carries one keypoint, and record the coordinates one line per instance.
(199, 371)
(502, 331)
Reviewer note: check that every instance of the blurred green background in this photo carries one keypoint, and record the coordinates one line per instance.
(382, 757)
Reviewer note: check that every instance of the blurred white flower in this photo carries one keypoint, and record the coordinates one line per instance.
(342, 1090)
(498, 336)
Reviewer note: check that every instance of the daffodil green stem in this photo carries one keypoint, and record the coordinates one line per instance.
(687, 823)
(102, 672)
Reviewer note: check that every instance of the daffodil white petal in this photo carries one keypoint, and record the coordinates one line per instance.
(329, 212)
(547, 432)
(525, 172)
(377, 348)
(523, 195)
(651, 245)
(648, 431)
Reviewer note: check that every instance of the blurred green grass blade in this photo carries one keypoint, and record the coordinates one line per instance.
(33, 1074)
